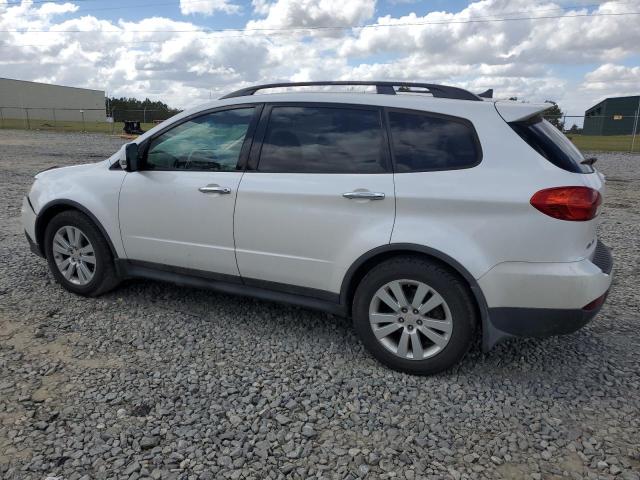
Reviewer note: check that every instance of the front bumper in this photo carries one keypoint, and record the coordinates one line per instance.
(33, 246)
(571, 293)
(29, 224)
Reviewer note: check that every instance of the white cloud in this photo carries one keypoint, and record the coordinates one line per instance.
(443, 35)
(208, 7)
(312, 13)
(610, 77)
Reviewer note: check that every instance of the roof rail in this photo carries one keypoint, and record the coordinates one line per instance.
(384, 88)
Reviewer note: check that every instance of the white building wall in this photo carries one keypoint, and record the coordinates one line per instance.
(43, 101)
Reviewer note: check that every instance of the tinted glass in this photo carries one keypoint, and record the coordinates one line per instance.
(210, 142)
(323, 140)
(552, 144)
(424, 142)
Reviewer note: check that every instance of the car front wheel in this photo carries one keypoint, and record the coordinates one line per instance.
(414, 316)
(78, 254)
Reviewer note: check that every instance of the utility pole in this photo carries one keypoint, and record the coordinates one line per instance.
(635, 126)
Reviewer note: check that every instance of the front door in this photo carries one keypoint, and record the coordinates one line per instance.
(178, 210)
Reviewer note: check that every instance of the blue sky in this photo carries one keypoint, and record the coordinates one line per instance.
(587, 51)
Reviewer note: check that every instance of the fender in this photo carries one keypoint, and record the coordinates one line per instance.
(490, 334)
(58, 205)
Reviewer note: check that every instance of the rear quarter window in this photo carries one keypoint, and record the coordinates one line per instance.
(552, 144)
(425, 142)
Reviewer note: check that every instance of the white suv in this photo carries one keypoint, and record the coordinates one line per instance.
(424, 212)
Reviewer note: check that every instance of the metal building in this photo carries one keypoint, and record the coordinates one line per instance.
(20, 99)
(613, 116)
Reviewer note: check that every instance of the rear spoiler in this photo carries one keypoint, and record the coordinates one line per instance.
(518, 112)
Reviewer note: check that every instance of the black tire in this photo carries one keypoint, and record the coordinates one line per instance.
(104, 276)
(450, 287)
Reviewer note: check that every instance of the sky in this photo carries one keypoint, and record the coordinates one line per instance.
(185, 52)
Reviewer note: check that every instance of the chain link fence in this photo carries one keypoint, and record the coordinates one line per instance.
(586, 132)
(609, 133)
(78, 120)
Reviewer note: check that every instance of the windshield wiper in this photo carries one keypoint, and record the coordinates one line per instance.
(589, 161)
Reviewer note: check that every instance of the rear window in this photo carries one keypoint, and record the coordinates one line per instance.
(424, 142)
(552, 144)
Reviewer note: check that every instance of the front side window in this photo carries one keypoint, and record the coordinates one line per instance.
(323, 140)
(209, 142)
(423, 142)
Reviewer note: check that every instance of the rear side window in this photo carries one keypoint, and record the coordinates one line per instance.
(552, 144)
(323, 140)
(423, 142)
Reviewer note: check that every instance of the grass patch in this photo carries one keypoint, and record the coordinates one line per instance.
(605, 143)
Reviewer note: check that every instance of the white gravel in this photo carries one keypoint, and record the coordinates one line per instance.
(159, 381)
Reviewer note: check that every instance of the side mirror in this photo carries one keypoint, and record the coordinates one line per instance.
(131, 161)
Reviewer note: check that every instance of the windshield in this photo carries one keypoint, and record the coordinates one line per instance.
(552, 144)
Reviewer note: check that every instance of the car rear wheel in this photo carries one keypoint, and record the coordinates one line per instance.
(414, 316)
(78, 254)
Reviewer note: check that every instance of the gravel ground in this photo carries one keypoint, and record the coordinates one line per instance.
(159, 381)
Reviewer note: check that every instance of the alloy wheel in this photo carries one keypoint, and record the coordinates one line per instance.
(410, 319)
(74, 255)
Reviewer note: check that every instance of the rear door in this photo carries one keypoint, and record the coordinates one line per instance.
(318, 193)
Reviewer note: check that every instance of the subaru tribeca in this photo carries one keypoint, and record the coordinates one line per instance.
(426, 213)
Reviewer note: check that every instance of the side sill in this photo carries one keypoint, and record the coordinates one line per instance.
(223, 283)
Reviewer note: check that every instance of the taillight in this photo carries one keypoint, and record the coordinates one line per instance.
(577, 204)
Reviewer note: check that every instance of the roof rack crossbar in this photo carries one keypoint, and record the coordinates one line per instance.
(383, 88)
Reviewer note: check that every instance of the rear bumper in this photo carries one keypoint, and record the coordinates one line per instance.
(541, 300)
(540, 322)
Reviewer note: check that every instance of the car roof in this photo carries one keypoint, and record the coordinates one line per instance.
(466, 109)
(412, 101)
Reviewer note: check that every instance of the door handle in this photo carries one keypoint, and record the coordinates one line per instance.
(364, 195)
(214, 189)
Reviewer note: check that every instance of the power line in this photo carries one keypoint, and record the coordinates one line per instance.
(324, 27)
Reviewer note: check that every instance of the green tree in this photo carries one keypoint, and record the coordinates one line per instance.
(141, 110)
(554, 115)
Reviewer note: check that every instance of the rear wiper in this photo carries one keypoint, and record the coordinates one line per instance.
(589, 161)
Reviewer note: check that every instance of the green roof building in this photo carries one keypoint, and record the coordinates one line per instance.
(613, 116)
